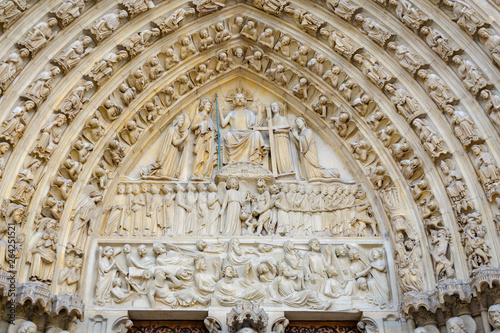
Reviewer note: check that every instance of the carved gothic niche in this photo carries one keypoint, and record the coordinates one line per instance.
(247, 317)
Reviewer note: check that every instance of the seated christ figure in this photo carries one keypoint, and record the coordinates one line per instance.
(243, 142)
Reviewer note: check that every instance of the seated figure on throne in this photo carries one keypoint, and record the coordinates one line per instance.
(243, 142)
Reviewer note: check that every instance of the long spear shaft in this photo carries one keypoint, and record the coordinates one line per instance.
(218, 132)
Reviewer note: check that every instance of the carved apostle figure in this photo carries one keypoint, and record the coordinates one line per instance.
(243, 142)
(25, 185)
(306, 143)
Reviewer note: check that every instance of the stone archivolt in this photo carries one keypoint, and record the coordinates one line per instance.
(429, 181)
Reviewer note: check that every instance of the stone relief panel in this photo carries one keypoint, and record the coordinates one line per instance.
(222, 273)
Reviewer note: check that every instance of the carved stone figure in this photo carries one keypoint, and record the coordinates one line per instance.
(332, 76)
(492, 44)
(11, 11)
(273, 7)
(69, 276)
(76, 51)
(371, 68)
(307, 21)
(455, 188)
(494, 317)
(49, 137)
(249, 30)
(473, 239)
(206, 41)
(74, 101)
(278, 75)
(409, 60)
(287, 289)
(83, 220)
(187, 48)
(103, 69)
(10, 68)
(301, 89)
(457, 325)
(473, 79)
(309, 154)
(341, 123)
(254, 61)
(106, 25)
(439, 91)
(464, 128)
(174, 21)
(204, 7)
(281, 133)
(317, 64)
(266, 38)
(167, 162)
(203, 128)
(465, 16)
(42, 256)
(106, 273)
(69, 10)
(439, 43)
(342, 8)
(231, 209)
(404, 103)
(339, 42)
(283, 45)
(242, 142)
(39, 36)
(12, 128)
(222, 34)
(443, 265)
(39, 89)
(492, 106)
(155, 68)
(410, 15)
(300, 56)
(135, 7)
(486, 169)
(434, 145)
(375, 31)
(138, 43)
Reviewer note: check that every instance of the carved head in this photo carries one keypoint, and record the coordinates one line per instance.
(219, 26)
(228, 272)
(340, 251)
(315, 245)
(483, 33)
(142, 250)
(276, 108)
(4, 146)
(300, 122)
(362, 284)
(200, 264)
(456, 325)
(238, 21)
(107, 252)
(494, 316)
(239, 99)
(332, 272)
(204, 33)
(233, 183)
(27, 326)
(476, 150)
(353, 254)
